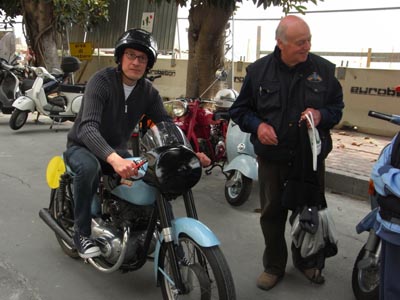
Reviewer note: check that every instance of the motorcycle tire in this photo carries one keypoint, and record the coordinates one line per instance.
(18, 118)
(204, 271)
(63, 214)
(238, 193)
(365, 283)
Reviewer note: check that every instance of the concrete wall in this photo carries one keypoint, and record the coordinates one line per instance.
(364, 89)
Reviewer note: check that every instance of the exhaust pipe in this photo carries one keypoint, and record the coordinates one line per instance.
(52, 223)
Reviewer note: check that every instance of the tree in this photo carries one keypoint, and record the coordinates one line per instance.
(208, 19)
(45, 20)
(206, 35)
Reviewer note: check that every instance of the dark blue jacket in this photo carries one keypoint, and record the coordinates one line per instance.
(276, 94)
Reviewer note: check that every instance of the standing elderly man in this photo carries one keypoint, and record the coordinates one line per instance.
(277, 93)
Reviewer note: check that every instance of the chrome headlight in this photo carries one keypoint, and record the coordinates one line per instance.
(176, 108)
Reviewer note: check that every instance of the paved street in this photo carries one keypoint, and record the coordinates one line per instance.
(32, 265)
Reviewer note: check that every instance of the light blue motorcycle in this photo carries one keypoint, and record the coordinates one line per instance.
(133, 220)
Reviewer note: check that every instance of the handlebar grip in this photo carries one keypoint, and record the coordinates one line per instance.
(395, 119)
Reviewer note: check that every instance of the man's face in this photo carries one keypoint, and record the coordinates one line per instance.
(295, 48)
(134, 63)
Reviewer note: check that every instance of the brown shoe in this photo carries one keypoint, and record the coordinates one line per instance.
(267, 281)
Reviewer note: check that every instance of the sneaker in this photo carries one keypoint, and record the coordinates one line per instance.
(86, 247)
(267, 281)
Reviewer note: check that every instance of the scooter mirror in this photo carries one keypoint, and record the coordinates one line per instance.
(221, 75)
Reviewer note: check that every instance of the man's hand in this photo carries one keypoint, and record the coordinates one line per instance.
(266, 134)
(204, 159)
(316, 116)
(123, 167)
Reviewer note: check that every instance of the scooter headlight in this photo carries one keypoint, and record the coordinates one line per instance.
(176, 108)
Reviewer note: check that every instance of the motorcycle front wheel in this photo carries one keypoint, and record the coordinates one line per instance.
(62, 211)
(205, 272)
(365, 281)
(18, 118)
(237, 188)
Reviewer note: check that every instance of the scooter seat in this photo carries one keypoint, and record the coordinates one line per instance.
(221, 115)
(72, 88)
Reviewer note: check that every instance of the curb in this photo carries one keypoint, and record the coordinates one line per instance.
(345, 183)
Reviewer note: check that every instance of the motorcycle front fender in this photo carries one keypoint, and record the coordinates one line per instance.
(193, 228)
(245, 164)
(24, 103)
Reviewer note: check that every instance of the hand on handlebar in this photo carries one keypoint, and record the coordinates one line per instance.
(123, 167)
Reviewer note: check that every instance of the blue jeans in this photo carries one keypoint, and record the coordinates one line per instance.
(87, 171)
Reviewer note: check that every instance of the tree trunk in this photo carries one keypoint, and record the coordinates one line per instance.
(41, 34)
(206, 37)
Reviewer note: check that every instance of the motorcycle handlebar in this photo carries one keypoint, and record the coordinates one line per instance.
(395, 119)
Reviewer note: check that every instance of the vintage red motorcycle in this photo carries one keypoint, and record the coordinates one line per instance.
(205, 123)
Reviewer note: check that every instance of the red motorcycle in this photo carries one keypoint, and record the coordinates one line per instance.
(205, 124)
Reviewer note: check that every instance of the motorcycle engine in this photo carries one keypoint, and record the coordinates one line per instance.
(108, 232)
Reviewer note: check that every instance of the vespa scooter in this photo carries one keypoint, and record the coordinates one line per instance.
(55, 99)
(14, 82)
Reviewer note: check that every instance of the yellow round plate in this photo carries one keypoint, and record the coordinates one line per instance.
(55, 169)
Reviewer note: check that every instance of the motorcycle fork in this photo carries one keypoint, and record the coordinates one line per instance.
(166, 215)
(373, 245)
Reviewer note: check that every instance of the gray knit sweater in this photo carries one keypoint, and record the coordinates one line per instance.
(105, 121)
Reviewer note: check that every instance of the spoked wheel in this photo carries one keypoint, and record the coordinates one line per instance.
(62, 211)
(365, 281)
(205, 272)
(237, 188)
(18, 118)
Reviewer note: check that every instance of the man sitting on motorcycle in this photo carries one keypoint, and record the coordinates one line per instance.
(115, 98)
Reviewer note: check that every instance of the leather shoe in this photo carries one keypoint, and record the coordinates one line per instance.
(267, 281)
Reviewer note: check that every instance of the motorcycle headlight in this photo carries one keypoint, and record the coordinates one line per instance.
(176, 108)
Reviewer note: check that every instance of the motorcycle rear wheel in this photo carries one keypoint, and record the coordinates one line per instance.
(205, 272)
(64, 215)
(239, 192)
(18, 118)
(365, 282)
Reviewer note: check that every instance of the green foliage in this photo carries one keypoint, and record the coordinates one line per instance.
(85, 13)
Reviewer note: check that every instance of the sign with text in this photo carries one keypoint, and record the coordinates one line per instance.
(147, 21)
(83, 51)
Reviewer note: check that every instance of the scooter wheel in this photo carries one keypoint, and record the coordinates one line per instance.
(18, 119)
(365, 282)
(237, 188)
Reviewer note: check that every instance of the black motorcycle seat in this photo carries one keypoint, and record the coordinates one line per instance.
(221, 115)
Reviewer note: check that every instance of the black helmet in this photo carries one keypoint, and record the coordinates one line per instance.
(138, 39)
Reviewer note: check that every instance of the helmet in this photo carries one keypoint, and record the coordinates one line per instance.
(224, 98)
(138, 39)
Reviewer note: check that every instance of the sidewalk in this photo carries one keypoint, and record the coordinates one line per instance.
(349, 165)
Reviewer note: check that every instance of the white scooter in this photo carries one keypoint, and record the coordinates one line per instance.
(54, 99)
(241, 167)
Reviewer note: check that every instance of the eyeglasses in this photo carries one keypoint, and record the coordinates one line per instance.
(132, 56)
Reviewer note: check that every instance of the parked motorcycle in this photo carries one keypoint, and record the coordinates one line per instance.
(204, 123)
(53, 98)
(366, 269)
(14, 81)
(133, 220)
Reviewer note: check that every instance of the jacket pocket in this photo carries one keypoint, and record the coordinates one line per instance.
(268, 99)
(315, 94)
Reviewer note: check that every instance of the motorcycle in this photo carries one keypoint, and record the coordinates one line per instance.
(55, 97)
(204, 123)
(133, 220)
(366, 269)
(14, 81)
